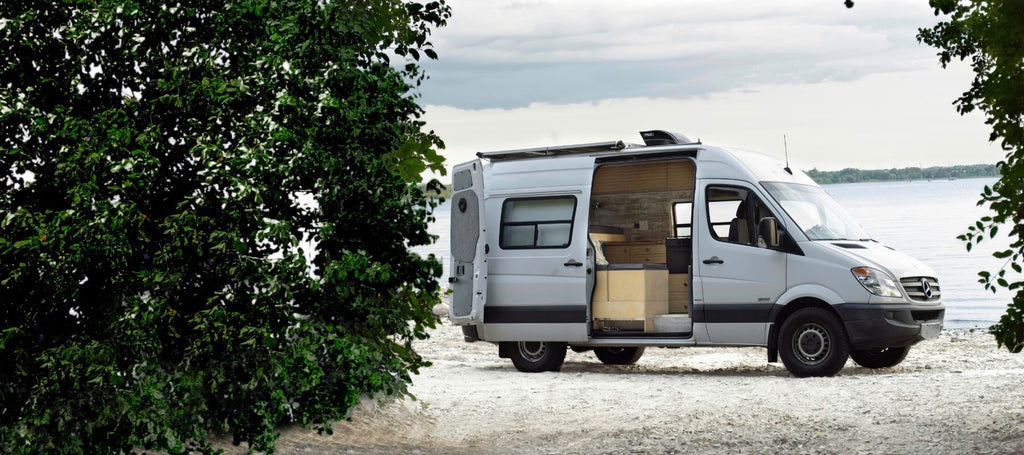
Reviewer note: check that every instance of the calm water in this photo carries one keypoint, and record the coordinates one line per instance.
(923, 219)
(920, 218)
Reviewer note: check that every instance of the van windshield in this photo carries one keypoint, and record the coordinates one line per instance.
(815, 212)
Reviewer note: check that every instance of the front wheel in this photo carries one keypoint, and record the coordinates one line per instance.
(879, 358)
(537, 356)
(812, 342)
(619, 356)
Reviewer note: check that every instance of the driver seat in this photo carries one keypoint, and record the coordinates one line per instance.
(739, 230)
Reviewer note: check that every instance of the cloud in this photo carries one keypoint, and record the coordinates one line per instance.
(896, 119)
(510, 53)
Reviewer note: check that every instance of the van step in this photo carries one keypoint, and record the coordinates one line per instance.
(672, 323)
(639, 334)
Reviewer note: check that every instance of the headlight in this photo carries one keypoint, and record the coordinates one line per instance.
(877, 282)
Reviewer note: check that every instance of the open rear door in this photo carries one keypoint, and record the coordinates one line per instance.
(468, 242)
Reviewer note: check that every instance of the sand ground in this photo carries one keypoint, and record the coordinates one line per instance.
(955, 394)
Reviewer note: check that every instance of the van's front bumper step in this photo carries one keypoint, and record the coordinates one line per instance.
(884, 326)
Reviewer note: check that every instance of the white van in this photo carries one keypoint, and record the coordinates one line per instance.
(617, 247)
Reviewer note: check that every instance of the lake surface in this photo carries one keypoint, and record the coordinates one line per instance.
(920, 218)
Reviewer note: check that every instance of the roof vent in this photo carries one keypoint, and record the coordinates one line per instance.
(659, 137)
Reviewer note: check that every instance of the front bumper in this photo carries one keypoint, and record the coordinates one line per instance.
(887, 326)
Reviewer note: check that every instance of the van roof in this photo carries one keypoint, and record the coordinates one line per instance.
(538, 152)
(720, 162)
(725, 162)
(652, 138)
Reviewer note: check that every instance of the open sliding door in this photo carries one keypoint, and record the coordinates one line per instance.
(538, 264)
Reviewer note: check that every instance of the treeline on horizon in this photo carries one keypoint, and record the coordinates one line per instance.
(851, 175)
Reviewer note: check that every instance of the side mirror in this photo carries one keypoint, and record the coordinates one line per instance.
(768, 230)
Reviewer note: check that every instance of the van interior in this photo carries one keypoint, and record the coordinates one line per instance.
(640, 234)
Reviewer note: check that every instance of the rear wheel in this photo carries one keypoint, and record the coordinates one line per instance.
(812, 342)
(537, 356)
(619, 355)
(879, 358)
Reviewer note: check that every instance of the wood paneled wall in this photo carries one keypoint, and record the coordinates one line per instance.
(643, 177)
(637, 198)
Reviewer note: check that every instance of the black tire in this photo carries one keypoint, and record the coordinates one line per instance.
(812, 342)
(879, 358)
(537, 356)
(619, 355)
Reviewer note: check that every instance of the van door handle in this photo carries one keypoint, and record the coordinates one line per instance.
(714, 260)
(573, 263)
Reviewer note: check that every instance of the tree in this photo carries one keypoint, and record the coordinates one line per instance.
(205, 217)
(990, 34)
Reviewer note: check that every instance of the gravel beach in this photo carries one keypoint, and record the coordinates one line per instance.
(954, 394)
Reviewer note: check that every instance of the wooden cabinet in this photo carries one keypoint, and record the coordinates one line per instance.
(630, 295)
(635, 253)
(617, 253)
(679, 293)
(647, 253)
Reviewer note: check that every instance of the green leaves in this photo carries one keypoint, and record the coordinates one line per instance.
(168, 168)
(988, 35)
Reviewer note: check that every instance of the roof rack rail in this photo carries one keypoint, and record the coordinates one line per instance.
(594, 147)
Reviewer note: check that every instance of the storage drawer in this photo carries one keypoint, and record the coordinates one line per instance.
(647, 253)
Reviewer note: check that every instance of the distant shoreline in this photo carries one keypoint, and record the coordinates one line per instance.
(852, 175)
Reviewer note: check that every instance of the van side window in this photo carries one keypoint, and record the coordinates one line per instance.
(734, 214)
(537, 222)
(682, 213)
(723, 204)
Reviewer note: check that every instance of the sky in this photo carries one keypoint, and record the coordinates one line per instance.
(847, 87)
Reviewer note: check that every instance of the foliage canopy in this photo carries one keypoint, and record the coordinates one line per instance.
(205, 217)
(990, 35)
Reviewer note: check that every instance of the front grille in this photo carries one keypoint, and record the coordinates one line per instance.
(918, 291)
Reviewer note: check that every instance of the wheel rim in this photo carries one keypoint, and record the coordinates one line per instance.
(811, 343)
(532, 351)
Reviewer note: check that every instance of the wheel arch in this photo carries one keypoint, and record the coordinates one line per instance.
(782, 312)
